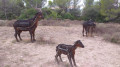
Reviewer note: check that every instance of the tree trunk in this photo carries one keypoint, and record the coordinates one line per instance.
(36, 4)
(4, 8)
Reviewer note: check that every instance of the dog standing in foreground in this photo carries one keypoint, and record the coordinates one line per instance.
(68, 50)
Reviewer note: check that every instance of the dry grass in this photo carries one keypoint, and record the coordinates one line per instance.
(45, 40)
(7, 22)
(45, 22)
(54, 64)
(97, 52)
(65, 23)
(110, 32)
(2, 23)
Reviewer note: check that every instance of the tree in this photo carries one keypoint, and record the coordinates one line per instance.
(50, 3)
(88, 10)
(64, 4)
(75, 4)
(88, 3)
(10, 9)
(92, 11)
(109, 9)
(28, 13)
(4, 7)
(35, 3)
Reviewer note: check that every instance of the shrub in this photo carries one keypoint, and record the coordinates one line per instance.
(10, 16)
(53, 15)
(50, 14)
(2, 23)
(76, 14)
(28, 13)
(92, 13)
(2, 16)
(68, 16)
(110, 32)
(114, 38)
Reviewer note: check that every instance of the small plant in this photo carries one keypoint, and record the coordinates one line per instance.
(45, 40)
(116, 38)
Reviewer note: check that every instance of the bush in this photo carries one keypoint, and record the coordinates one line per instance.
(114, 38)
(2, 23)
(10, 16)
(68, 16)
(50, 14)
(28, 13)
(92, 13)
(110, 32)
(2, 16)
(76, 14)
(53, 15)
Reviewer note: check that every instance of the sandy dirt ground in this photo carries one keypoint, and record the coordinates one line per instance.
(97, 52)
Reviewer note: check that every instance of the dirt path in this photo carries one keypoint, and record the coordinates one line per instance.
(97, 52)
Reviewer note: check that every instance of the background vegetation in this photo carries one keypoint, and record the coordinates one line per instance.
(100, 11)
